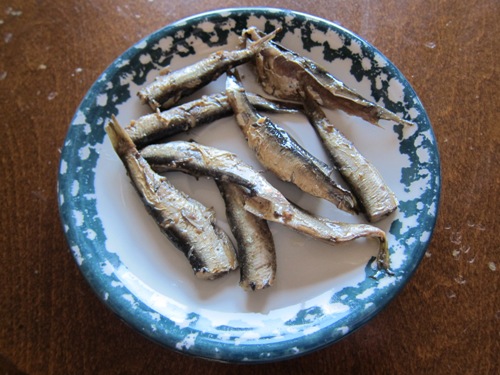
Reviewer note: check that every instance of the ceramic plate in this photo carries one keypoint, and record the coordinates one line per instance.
(322, 292)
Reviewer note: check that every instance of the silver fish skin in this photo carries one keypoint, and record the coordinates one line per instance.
(256, 251)
(283, 73)
(169, 88)
(188, 224)
(262, 199)
(281, 154)
(376, 199)
(156, 126)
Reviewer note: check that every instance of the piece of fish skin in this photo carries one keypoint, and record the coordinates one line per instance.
(375, 198)
(169, 88)
(277, 151)
(262, 199)
(157, 126)
(256, 251)
(188, 224)
(283, 73)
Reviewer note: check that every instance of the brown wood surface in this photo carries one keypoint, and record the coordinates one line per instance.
(446, 319)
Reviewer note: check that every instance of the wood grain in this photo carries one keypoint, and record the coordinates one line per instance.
(446, 320)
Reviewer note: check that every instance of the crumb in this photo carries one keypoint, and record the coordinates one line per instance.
(460, 280)
(11, 12)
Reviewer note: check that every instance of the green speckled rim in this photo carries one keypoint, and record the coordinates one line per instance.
(86, 235)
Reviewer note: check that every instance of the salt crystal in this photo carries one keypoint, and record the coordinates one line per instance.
(460, 280)
(427, 254)
(492, 266)
(42, 67)
(430, 45)
(52, 95)
(78, 70)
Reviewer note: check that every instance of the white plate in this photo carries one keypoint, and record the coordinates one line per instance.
(321, 292)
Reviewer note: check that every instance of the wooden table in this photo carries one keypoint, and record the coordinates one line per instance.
(447, 318)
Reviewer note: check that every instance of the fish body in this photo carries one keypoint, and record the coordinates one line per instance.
(256, 252)
(284, 74)
(169, 88)
(320, 228)
(281, 154)
(188, 224)
(199, 160)
(260, 197)
(156, 126)
(376, 199)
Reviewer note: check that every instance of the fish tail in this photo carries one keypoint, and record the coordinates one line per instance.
(383, 261)
(257, 45)
(252, 33)
(120, 140)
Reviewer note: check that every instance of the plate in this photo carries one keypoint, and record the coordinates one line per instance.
(322, 292)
